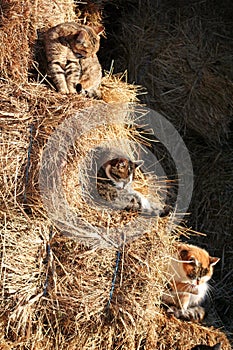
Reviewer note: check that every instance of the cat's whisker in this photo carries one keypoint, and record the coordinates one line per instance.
(180, 261)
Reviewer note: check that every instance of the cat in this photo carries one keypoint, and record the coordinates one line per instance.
(206, 347)
(190, 270)
(72, 61)
(114, 184)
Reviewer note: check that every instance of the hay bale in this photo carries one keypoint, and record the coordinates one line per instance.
(49, 13)
(174, 334)
(48, 300)
(180, 56)
(15, 37)
(48, 297)
(95, 135)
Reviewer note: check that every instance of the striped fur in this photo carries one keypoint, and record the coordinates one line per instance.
(72, 61)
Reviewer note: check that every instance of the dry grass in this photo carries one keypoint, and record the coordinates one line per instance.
(47, 300)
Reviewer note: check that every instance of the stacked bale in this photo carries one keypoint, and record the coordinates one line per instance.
(56, 293)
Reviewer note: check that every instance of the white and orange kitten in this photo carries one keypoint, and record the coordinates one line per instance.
(190, 270)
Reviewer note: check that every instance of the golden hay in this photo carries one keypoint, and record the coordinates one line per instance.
(15, 38)
(38, 111)
(49, 302)
(47, 299)
(49, 13)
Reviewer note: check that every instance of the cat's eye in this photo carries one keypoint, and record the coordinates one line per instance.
(204, 272)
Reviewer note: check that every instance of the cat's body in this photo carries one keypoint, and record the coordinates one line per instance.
(206, 347)
(114, 184)
(190, 270)
(72, 61)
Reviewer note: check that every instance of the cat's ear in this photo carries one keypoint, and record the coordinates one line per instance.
(183, 251)
(98, 29)
(138, 163)
(213, 260)
(81, 36)
(184, 254)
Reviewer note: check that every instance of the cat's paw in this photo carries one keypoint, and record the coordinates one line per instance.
(165, 211)
(93, 93)
(79, 90)
(194, 314)
(171, 310)
(134, 205)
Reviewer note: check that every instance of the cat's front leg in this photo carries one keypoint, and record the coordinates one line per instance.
(73, 74)
(181, 308)
(57, 74)
(176, 299)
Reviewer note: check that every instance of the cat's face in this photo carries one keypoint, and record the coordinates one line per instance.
(121, 171)
(197, 263)
(86, 42)
(206, 347)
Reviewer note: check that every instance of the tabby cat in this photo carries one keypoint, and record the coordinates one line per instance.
(206, 347)
(190, 270)
(114, 184)
(72, 61)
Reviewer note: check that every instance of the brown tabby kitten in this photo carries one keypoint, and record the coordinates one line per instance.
(114, 181)
(72, 61)
(190, 270)
(206, 347)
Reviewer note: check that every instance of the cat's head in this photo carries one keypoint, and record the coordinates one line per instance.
(206, 347)
(121, 171)
(86, 42)
(197, 264)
